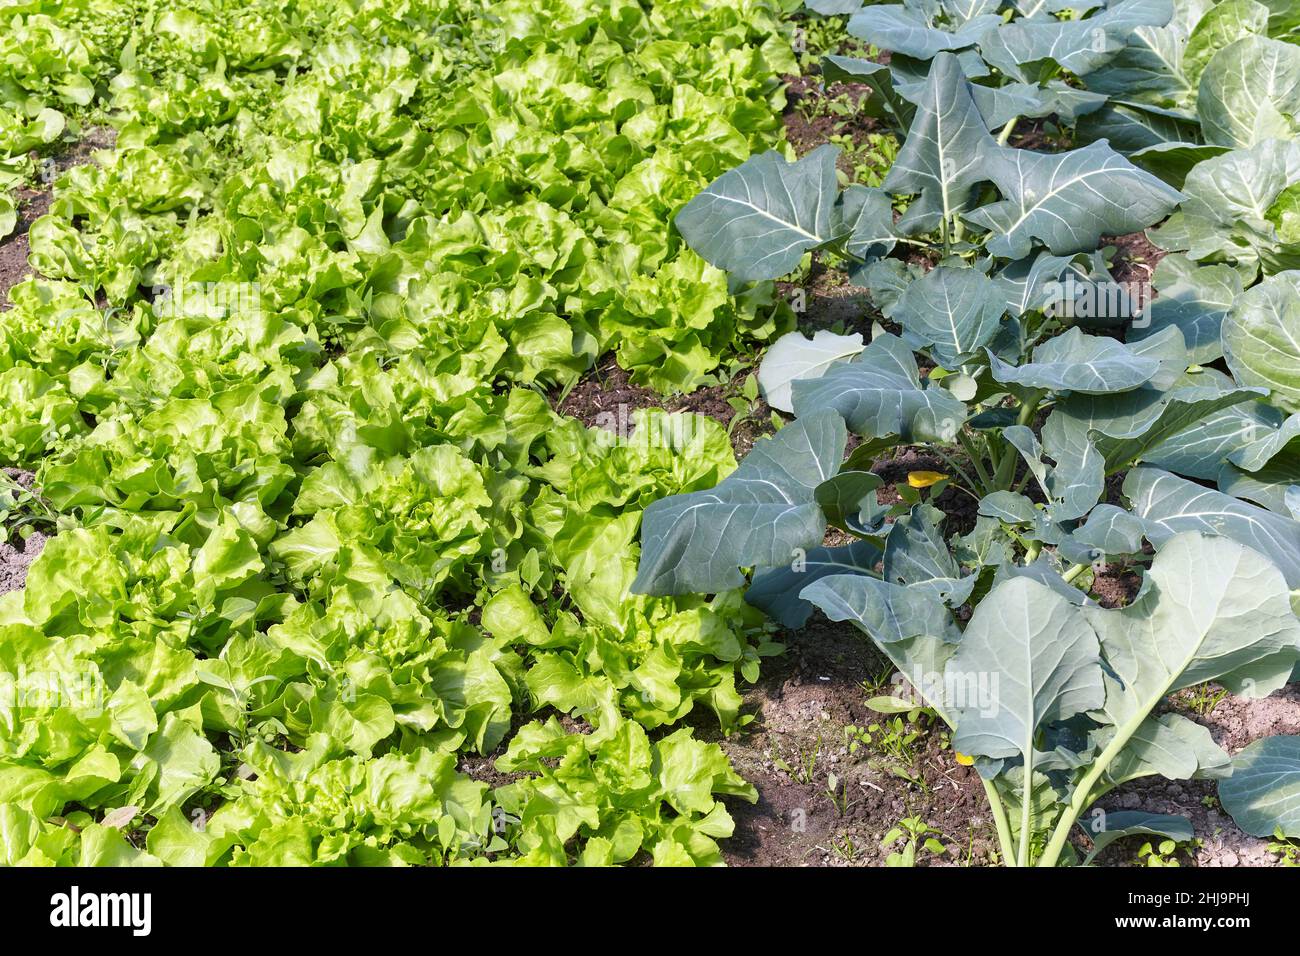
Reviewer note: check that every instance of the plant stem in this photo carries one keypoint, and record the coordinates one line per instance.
(976, 459)
(1007, 469)
(1007, 130)
(959, 470)
(1082, 792)
(1026, 805)
(1074, 572)
(1000, 821)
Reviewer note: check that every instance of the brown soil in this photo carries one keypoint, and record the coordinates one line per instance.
(13, 257)
(16, 556)
(1135, 259)
(959, 507)
(35, 202)
(802, 704)
(606, 391)
(1233, 722)
(830, 300)
(1116, 585)
(602, 391)
(1034, 134)
(808, 124)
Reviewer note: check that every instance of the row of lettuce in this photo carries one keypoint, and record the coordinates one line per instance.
(284, 376)
(1092, 426)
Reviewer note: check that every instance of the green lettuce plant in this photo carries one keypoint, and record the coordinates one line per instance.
(286, 369)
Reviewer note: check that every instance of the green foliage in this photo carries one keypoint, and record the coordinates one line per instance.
(283, 375)
(915, 835)
(1054, 699)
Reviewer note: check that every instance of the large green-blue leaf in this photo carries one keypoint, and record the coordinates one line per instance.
(910, 625)
(1173, 747)
(1211, 609)
(865, 222)
(880, 394)
(1250, 92)
(1039, 656)
(1129, 424)
(1068, 201)
(776, 592)
(943, 157)
(759, 515)
(1075, 362)
(1261, 338)
(1263, 794)
(1031, 283)
(1195, 299)
(1022, 48)
(1200, 450)
(757, 220)
(1231, 210)
(916, 555)
(896, 28)
(953, 311)
(1169, 506)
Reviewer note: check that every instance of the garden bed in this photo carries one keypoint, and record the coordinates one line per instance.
(316, 379)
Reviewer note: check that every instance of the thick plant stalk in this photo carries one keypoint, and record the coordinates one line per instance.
(1007, 130)
(976, 460)
(1000, 822)
(1082, 796)
(1007, 470)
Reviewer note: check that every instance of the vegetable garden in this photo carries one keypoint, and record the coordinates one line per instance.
(662, 432)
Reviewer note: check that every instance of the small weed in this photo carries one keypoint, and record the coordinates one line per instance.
(1165, 853)
(1286, 850)
(805, 767)
(870, 160)
(838, 793)
(21, 511)
(843, 848)
(915, 834)
(816, 36)
(893, 739)
(1203, 698)
(745, 403)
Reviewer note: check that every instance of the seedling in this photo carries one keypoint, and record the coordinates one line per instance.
(915, 835)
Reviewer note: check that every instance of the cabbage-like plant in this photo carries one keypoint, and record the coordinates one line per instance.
(1168, 83)
(1215, 77)
(1056, 698)
(1052, 696)
(1001, 319)
(1018, 61)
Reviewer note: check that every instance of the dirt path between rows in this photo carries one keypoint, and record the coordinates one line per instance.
(34, 202)
(17, 555)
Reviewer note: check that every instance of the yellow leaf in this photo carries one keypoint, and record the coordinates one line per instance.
(924, 479)
(964, 760)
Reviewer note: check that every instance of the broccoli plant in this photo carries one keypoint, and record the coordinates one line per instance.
(1018, 62)
(996, 366)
